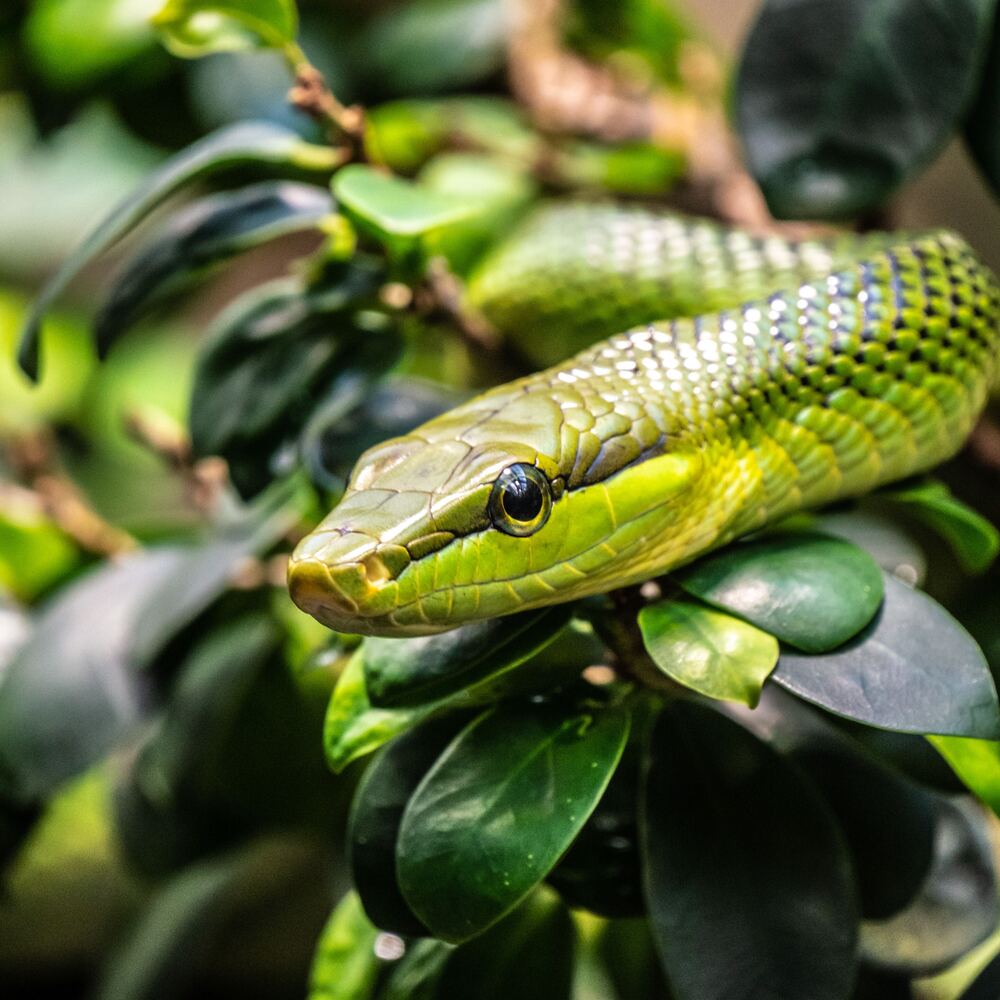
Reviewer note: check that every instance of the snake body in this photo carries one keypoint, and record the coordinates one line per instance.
(816, 371)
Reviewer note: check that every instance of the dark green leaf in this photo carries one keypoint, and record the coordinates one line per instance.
(957, 907)
(628, 954)
(528, 955)
(71, 692)
(981, 126)
(709, 652)
(887, 821)
(345, 966)
(193, 28)
(251, 144)
(497, 811)
(880, 534)
(354, 727)
(409, 672)
(600, 872)
(747, 880)
(976, 762)
(839, 101)
(914, 669)
(199, 236)
(376, 814)
(974, 540)
(274, 356)
(811, 591)
(987, 984)
(417, 975)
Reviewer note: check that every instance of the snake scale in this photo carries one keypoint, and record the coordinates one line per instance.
(758, 376)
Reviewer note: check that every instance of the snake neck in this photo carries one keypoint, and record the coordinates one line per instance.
(807, 396)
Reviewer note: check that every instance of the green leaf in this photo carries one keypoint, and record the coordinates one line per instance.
(957, 906)
(417, 975)
(888, 822)
(354, 727)
(709, 652)
(914, 669)
(986, 985)
(251, 144)
(811, 591)
(194, 28)
(394, 211)
(529, 955)
(974, 540)
(345, 966)
(628, 956)
(274, 356)
(376, 815)
(408, 672)
(72, 691)
(980, 127)
(600, 871)
(200, 236)
(35, 554)
(976, 762)
(74, 43)
(840, 101)
(496, 812)
(747, 879)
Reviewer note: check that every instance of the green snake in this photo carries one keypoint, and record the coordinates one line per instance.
(759, 377)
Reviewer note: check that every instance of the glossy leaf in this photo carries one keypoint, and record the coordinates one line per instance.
(974, 540)
(252, 144)
(376, 814)
(709, 652)
(914, 669)
(986, 985)
(72, 690)
(272, 358)
(600, 871)
(529, 955)
(199, 236)
(839, 101)
(74, 43)
(811, 591)
(395, 211)
(977, 764)
(980, 127)
(417, 975)
(956, 908)
(354, 727)
(747, 880)
(497, 811)
(193, 28)
(345, 966)
(401, 672)
(887, 822)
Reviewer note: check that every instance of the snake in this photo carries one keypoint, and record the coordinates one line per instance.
(743, 378)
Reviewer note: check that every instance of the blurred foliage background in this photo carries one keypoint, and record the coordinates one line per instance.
(167, 820)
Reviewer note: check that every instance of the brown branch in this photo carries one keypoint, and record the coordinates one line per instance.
(443, 291)
(311, 95)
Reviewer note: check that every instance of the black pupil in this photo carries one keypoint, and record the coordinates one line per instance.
(522, 499)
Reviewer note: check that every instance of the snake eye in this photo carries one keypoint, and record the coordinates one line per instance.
(521, 500)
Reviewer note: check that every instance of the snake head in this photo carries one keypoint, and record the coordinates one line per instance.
(491, 509)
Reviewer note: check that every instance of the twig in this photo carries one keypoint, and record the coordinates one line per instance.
(311, 95)
(443, 291)
(34, 461)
